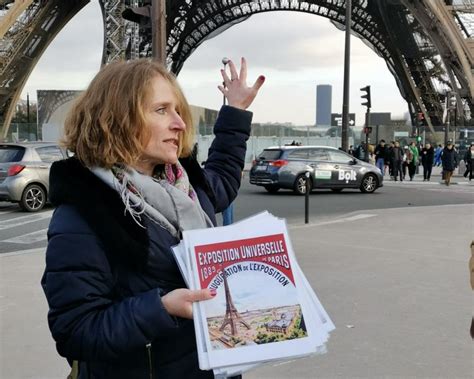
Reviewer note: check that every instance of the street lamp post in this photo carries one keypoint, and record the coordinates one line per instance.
(225, 61)
(347, 58)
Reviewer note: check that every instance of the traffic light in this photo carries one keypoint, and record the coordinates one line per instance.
(367, 129)
(366, 96)
(418, 138)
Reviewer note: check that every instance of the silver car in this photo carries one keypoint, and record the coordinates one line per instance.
(24, 172)
(328, 167)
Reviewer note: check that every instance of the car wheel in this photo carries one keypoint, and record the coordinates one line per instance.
(33, 198)
(300, 185)
(369, 184)
(272, 189)
(336, 189)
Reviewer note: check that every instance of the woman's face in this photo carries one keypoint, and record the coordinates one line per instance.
(164, 123)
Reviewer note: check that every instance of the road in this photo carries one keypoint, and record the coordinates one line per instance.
(401, 303)
(24, 231)
(327, 204)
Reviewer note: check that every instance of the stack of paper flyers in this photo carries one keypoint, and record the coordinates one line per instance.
(264, 310)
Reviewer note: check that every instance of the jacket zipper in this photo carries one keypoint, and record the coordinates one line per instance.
(150, 363)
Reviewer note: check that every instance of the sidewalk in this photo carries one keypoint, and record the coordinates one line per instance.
(436, 178)
(397, 291)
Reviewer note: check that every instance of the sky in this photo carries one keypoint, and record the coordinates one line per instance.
(294, 51)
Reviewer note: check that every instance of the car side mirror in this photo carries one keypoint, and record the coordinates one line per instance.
(353, 161)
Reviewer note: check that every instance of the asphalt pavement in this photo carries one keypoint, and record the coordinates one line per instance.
(394, 281)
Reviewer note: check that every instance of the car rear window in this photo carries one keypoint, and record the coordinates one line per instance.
(270, 155)
(49, 153)
(11, 153)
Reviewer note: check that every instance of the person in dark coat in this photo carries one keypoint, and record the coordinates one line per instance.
(427, 159)
(396, 159)
(450, 161)
(118, 304)
(380, 153)
(469, 161)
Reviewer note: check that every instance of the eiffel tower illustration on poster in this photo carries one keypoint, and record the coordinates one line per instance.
(232, 316)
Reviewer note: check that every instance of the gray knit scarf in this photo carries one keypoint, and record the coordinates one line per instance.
(159, 200)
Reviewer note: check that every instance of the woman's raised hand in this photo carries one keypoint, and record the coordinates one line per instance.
(180, 302)
(235, 88)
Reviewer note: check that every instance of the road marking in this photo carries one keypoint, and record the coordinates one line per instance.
(39, 235)
(4, 212)
(22, 220)
(345, 219)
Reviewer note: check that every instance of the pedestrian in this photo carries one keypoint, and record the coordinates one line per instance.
(407, 158)
(450, 161)
(380, 152)
(228, 215)
(118, 304)
(414, 161)
(427, 158)
(371, 151)
(438, 152)
(351, 150)
(396, 158)
(469, 161)
(387, 161)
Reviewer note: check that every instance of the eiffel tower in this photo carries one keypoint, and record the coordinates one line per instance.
(428, 45)
(232, 316)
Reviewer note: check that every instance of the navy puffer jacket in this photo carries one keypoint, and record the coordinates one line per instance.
(105, 274)
(449, 159)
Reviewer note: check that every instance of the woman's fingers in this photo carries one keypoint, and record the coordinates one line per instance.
(259, 82)
(200, 295)
(243, 70)
(179, 302)
(235, 88)
(225, 77)
(233, 71)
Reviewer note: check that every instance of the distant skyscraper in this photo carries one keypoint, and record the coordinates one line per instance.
(323, 104)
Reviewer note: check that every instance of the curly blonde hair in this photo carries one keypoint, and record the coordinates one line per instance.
(107, 124)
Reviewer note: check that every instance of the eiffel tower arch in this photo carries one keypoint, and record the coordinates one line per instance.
(428, 45)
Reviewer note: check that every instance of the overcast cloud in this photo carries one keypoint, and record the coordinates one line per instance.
(294, 51)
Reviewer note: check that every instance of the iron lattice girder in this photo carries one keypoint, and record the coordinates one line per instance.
(192, 22)
(24, 43)
(114, 30)
(449, 43)
(413, 78)
(51, 100)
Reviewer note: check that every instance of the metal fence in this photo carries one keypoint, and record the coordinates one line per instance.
(23, 132)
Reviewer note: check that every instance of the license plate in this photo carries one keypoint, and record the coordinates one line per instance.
(261, 168)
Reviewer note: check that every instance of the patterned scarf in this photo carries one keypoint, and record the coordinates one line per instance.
(177, 176)
(167, 198)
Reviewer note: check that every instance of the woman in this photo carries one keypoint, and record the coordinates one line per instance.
(118, 303)
(414, 160)
(450, 162)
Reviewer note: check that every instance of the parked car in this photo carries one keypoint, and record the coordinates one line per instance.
(286, 166)
(24, 172)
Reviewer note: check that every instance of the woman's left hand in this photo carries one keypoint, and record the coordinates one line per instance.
(235, 88)
(179, 302)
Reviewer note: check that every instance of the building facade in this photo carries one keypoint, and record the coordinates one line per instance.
(323, 105)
